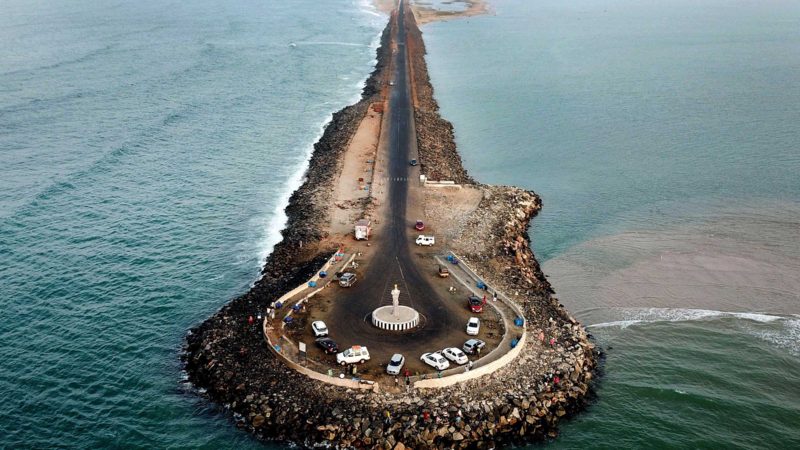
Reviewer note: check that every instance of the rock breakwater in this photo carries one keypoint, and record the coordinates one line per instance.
(438, 156)
(521, 402)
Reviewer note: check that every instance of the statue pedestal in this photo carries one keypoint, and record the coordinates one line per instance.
(395, 318)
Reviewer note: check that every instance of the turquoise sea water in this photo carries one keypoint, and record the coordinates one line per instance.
(663, 139)
(145, 149)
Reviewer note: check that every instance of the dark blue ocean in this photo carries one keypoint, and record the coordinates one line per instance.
(148, 148)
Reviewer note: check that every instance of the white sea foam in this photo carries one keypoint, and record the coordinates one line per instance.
(346, 44)
(634, 316)
(617, 323)
(368, 7)
(781, 331)
(278, 220)
(787, 337)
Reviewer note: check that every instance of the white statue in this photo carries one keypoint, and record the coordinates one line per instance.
(395, 299)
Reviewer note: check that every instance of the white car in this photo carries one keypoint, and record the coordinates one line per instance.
(395, 364)
(455, 355)
(473, 326)
(353, 355)
(435, 360)
(320, 329)
(425, 240)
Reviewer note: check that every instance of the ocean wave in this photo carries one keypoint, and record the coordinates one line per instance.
(787, 337)
(785, 332)
(617, 323)
(347, 44)
(634, 316)
(368, 7)
(278, 219)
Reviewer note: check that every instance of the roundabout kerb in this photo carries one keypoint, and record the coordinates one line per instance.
(499, 357)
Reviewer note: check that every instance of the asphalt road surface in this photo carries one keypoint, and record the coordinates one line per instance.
(443, 319)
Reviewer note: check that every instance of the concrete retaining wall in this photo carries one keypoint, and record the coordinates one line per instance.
(343, 382)
(304, 286)
(450, 380)
(491, 367)
(500, 295)
(431, 383)
(442, 184)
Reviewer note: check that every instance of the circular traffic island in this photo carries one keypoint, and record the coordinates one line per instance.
(395, 318)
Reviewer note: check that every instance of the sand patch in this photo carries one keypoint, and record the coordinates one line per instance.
(357, 175)
(733, 263)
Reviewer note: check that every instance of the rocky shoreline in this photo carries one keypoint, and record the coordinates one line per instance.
(524, 401)
(438, 156)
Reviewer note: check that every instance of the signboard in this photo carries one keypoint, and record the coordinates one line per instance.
(302, 347)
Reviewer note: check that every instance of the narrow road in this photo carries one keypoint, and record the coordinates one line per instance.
(394, 263)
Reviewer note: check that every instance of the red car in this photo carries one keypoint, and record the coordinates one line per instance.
(475, 303)
(419, 226)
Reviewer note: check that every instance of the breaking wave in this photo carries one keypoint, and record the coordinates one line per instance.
(782, 331)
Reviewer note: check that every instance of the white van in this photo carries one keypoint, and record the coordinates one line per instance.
(425, 240)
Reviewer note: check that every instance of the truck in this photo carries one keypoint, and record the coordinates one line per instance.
(363, 229)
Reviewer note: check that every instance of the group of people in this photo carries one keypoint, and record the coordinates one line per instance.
(407, 376)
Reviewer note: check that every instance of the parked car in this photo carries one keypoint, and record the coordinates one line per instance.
(353, 355)
(395, 364)
(473, 346)
(327, 345)
(425, 240)
(444, 272)
(419, 226)
(347, 279)
(455, 355)
(319, 327)
(413, 162)
(473, 326)
(435, 360)
(475, 303)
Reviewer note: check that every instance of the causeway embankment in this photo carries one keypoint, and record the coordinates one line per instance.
(552, 371)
